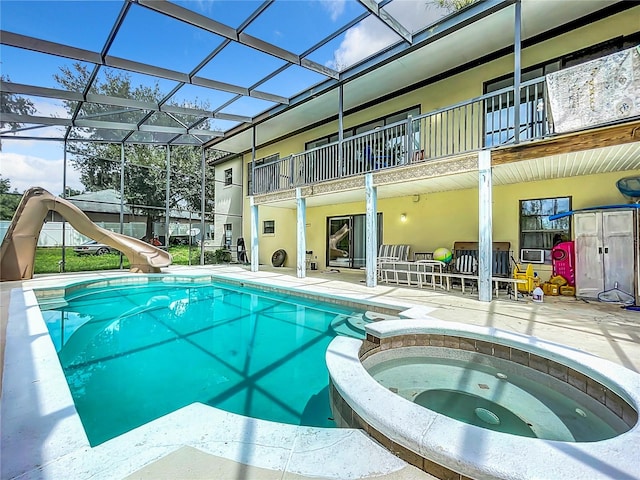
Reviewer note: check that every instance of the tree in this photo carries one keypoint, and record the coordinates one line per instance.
(145, 170)
(12, 103)
(453, 5)
(8, 201)
(5, 185)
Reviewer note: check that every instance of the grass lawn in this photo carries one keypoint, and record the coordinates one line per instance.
(48, 258)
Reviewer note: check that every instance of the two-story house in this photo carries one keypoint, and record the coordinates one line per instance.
(477, 129)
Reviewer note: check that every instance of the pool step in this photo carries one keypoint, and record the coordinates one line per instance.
(353, 325)
(349, 325)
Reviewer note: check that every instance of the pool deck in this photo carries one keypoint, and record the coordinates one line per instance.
(42, 436)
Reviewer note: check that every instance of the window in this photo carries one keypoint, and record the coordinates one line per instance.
(228, 176)
(269, 226)
(228, 235)
(259, 161)
(499, 110)
(379, 122)
(537, 231)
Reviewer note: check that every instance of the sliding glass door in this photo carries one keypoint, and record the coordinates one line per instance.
(346, 240)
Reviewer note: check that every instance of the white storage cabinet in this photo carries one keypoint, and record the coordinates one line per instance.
(606, 251)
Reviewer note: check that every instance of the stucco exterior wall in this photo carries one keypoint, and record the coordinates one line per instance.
(229, 202)
(439, 219)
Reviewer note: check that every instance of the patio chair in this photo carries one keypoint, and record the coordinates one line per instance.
(391, 253)
(394, 252)
(467, 264)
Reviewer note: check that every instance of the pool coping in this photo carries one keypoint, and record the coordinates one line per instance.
(43, 437)
(46, 294)
(420, 435)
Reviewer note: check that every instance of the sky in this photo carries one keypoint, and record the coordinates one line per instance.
(151, 38)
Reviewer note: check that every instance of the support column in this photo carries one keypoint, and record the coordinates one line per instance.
(63, 260)
(371, 230)
(301, 224)
(122, 190)
(254, 234)
(122, 199)
(340, 128)
(517, 47)
(485, 220)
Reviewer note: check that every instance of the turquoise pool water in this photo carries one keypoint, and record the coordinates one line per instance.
(134, 353)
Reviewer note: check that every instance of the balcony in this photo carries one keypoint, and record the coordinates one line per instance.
(484, 122)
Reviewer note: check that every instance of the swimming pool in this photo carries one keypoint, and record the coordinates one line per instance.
(132, 353)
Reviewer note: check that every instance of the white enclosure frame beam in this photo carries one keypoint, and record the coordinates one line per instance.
(167, 195)
(203, 201)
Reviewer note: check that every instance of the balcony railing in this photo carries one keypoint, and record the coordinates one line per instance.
(484, 122)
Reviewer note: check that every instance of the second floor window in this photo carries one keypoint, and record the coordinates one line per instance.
(228, 176)
(379, 122)
(499, 110)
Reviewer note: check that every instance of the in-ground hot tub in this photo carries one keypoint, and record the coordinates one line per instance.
(464, 401)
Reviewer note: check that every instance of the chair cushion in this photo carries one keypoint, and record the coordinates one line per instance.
(467, 264)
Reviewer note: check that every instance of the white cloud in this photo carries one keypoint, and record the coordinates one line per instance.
(334, 7)
(50, 108)
(25, 171)
(371, 36)
(415, 14)
(366, 38)
(205, 6)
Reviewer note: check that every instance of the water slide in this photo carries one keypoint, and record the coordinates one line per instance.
(18, 249)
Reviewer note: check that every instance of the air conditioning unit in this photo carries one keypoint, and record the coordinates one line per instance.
(531, 255)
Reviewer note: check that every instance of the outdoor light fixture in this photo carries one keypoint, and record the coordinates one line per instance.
(403, 217)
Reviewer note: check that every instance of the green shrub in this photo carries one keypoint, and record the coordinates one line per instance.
(221, 256)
